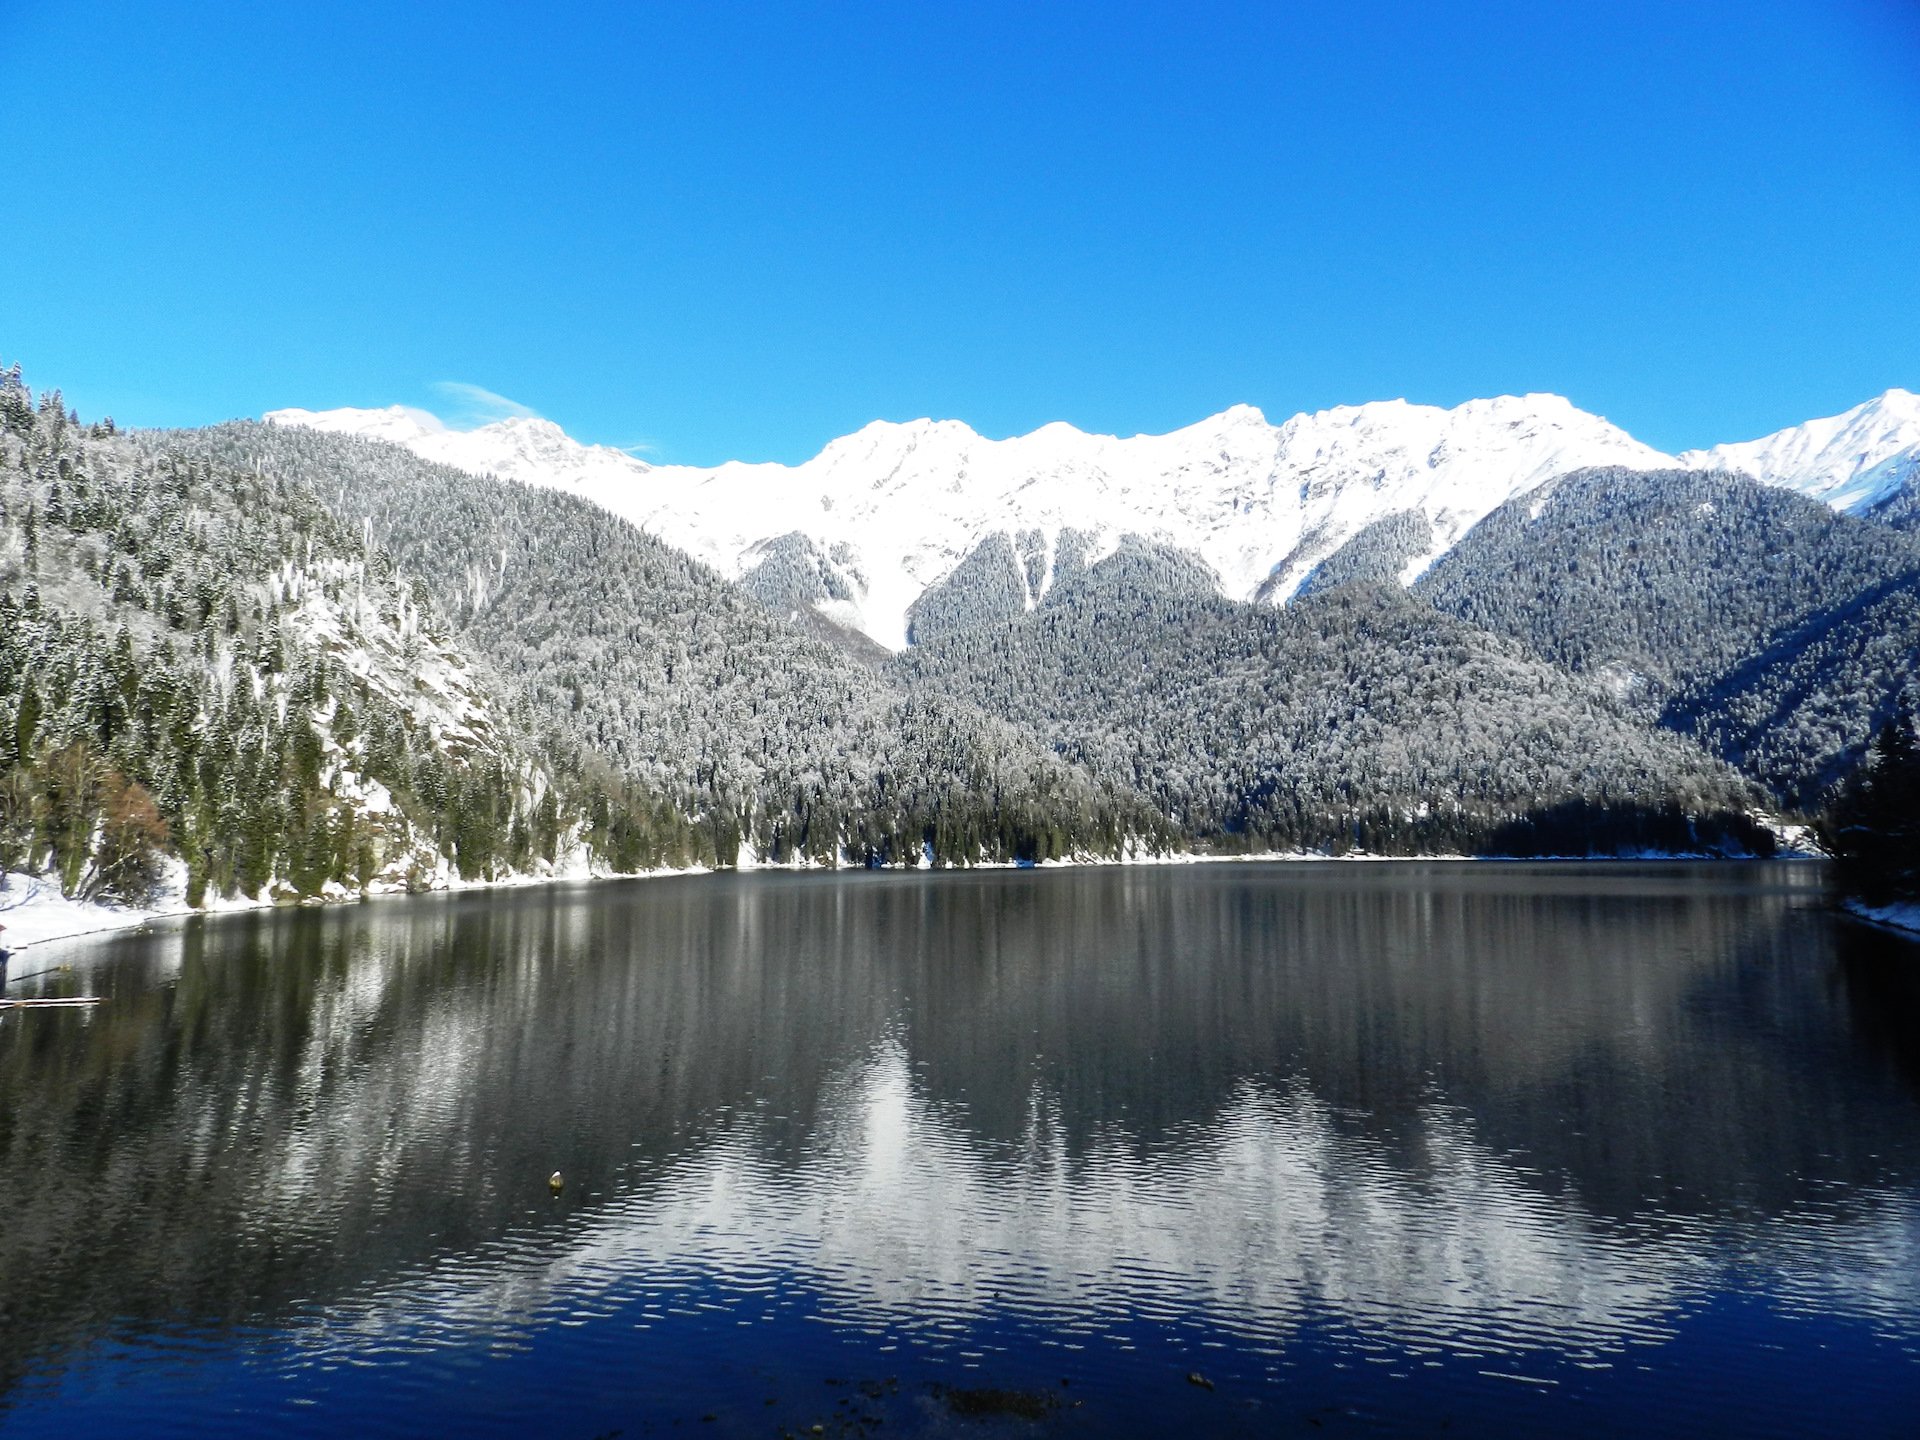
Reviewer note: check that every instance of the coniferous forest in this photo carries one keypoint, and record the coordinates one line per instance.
(1872, 826)
(258, 660)
(204, 667)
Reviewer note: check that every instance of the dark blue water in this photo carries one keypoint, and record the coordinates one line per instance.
(1367, 1149)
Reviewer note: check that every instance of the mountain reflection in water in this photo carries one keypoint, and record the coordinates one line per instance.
(1483, 1111)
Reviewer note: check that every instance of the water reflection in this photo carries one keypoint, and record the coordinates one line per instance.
(1485, 1109)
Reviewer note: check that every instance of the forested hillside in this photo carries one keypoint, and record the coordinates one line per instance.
(683, 682)
(1799, 715)
(1376, 556)
(1356, 718)
(307, 663)
(794, 578)
(1778, 632)
(1901, 510)
(200, 665)
(989, 584)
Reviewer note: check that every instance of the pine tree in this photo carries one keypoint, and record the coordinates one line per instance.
(1872, 829)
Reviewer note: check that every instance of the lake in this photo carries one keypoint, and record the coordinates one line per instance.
(1315, 1149)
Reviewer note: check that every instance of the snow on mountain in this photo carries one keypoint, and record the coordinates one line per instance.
(1852, 462)
(537, 452)
(894, 508)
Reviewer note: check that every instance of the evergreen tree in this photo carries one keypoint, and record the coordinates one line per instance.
(1872, 828)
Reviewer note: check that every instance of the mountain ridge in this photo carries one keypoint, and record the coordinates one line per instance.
(883, 518)
(899, 506)
(1853, 462)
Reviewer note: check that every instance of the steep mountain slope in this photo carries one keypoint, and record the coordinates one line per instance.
(998, 582)
(1361, 716)
(895, 509)
(1777, 630)
(1800, 714)
(1900, 510)
(1857, 461)
(201, 664)
(684, 683)
(1379, 554)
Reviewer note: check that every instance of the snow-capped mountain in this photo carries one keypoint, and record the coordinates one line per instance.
(1853, 461)
(893, 508)
(537, 452)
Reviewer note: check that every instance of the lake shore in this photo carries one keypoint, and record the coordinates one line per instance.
(35, 913)
(1902, 916)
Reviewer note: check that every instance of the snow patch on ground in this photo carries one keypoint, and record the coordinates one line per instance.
(1796, 842)
(33, 911)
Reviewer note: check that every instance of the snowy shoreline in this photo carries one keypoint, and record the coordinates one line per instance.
(1902, 917)
(35, 913)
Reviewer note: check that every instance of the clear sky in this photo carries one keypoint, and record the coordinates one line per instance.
(720, 229)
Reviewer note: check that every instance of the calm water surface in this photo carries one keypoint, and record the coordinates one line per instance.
(1423, 1148)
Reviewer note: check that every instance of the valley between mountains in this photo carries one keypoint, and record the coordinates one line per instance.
(338, 652)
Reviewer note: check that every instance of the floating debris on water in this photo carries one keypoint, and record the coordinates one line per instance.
(987, 1401)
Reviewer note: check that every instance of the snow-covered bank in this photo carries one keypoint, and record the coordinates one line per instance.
(34, 911)
(1903, 915)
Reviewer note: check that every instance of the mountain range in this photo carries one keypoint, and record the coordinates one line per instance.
(333, 653)
(861, 533)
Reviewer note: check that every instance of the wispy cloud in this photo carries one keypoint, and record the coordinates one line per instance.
(424, 418)
(477, 405)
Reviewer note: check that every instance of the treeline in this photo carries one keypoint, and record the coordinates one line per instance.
(1901, 509)
(1375, 555)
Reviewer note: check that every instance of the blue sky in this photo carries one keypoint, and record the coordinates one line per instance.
(724, 229)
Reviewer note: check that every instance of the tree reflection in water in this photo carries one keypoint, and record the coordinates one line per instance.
(1488, 1109)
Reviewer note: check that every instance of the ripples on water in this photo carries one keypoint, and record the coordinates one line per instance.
(1386, 1148)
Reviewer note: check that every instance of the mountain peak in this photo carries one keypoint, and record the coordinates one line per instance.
(1852, 461)
(1243, 415)
(400, 424)
(1898, 402)
(894, 438)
